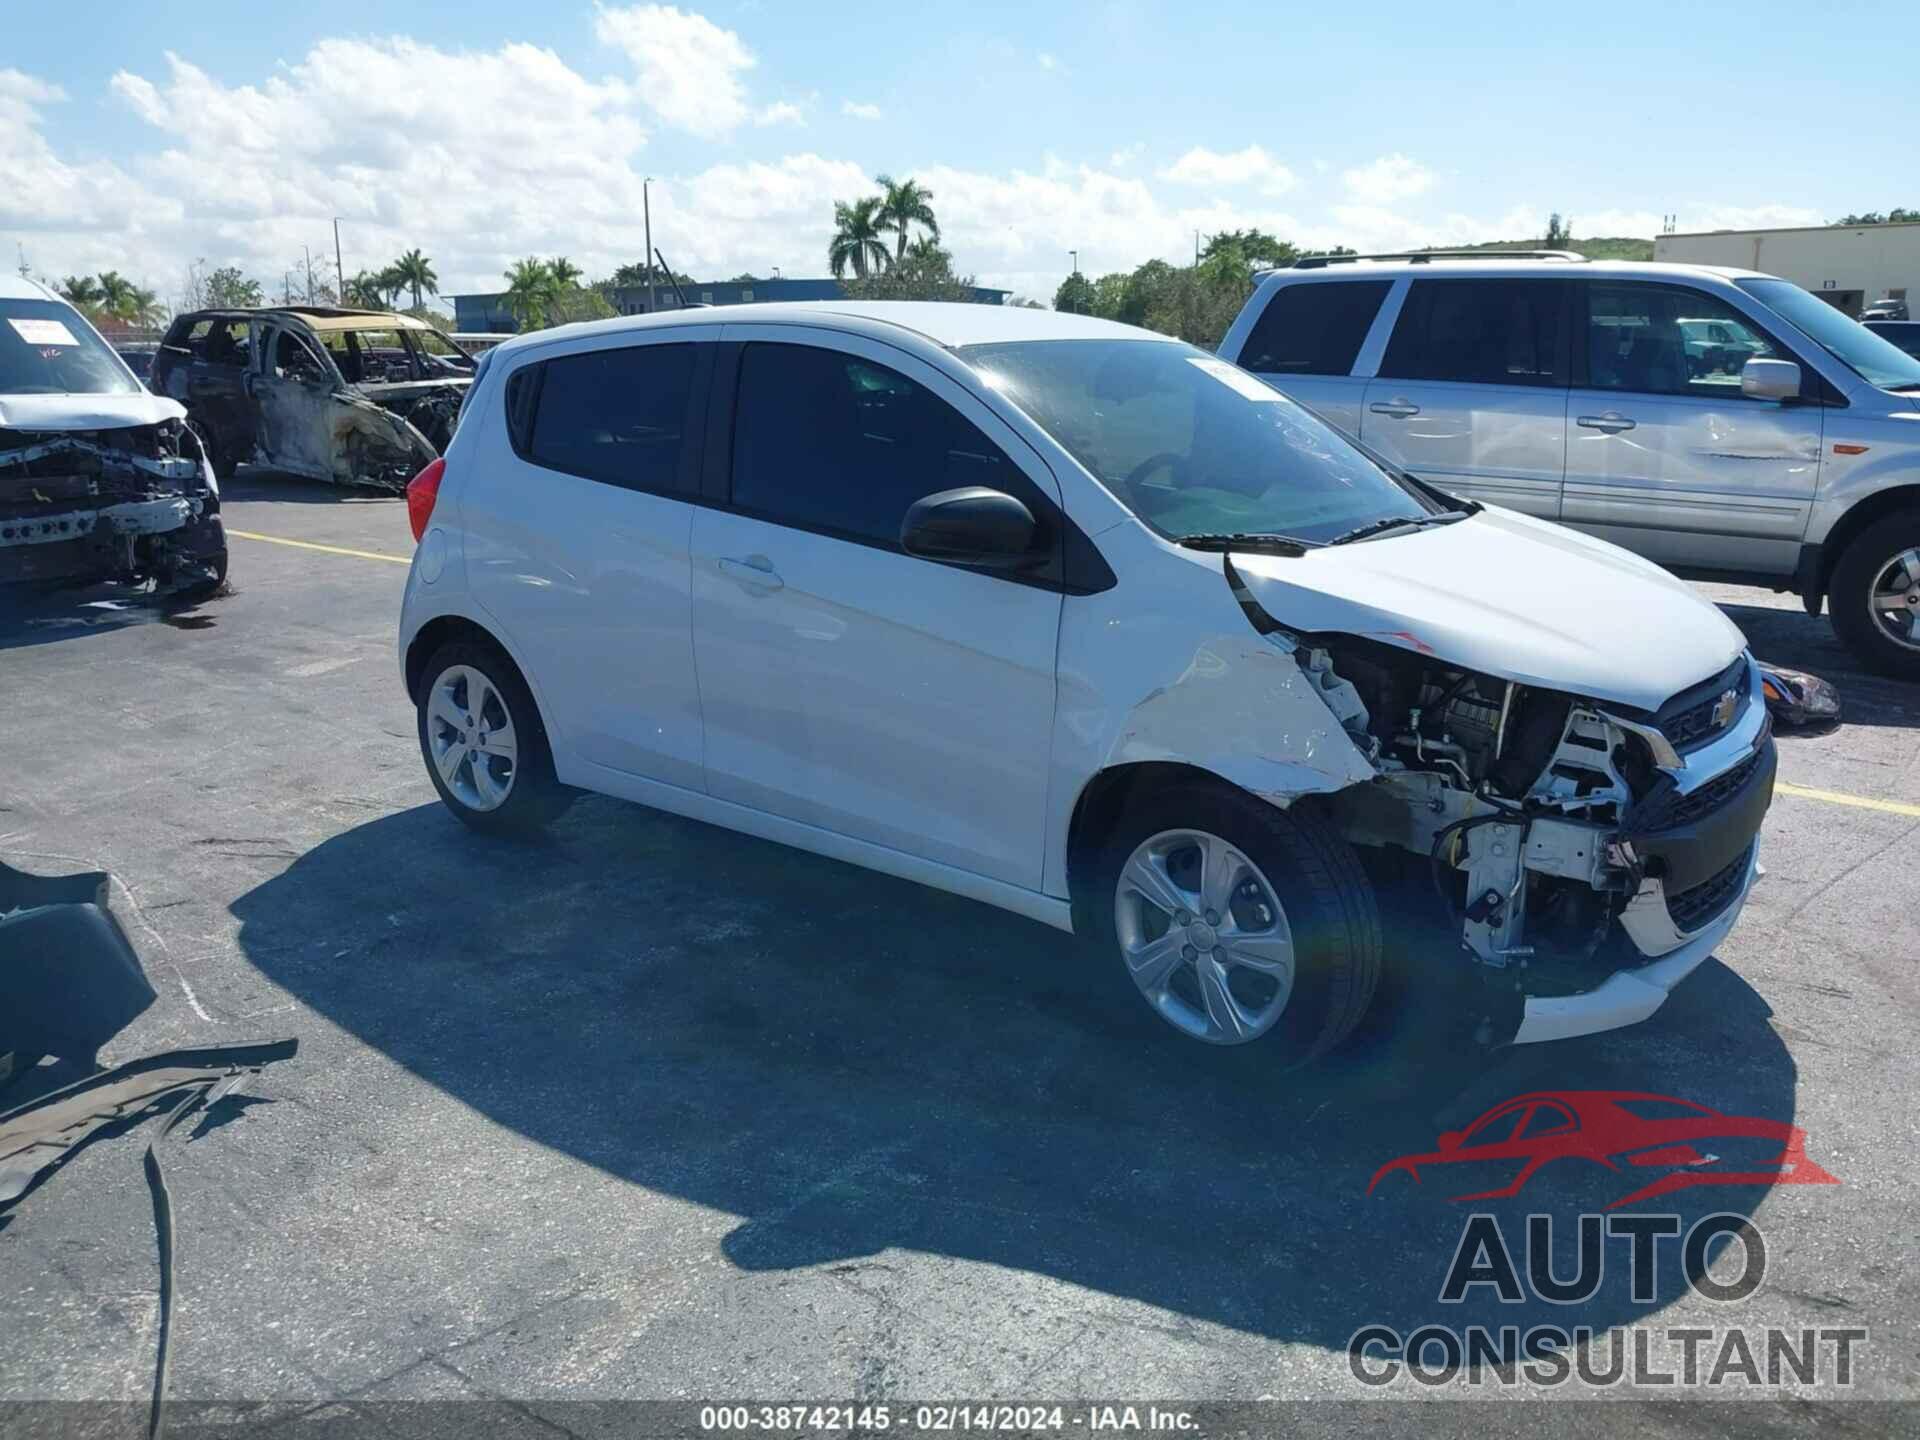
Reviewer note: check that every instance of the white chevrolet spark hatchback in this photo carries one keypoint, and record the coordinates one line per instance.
(1084, 623)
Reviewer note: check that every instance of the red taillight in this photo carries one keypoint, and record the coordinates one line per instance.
(422, 491)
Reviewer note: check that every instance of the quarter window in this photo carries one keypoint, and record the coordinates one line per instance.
(1668, 340)
(1485, 332)
(616, 416)
(1314, 328)
(824, 440)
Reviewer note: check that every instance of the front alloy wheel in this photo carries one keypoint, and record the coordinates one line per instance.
(1896, 598)
(1204, 937)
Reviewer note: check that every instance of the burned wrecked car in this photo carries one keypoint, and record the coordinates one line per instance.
(99, 480)
(357, 397)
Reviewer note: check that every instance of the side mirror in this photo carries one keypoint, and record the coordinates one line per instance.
(1449, 1140)
(1770, 380)
(976, 526)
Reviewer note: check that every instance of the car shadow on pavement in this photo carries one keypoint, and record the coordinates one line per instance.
(47, 617)
(253, 483)
(853, 1064)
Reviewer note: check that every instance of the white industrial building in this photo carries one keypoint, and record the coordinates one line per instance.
(1848, 266)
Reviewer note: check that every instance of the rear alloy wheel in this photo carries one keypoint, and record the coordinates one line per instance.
(1875, 594)
(1241, 925)
(485, 748)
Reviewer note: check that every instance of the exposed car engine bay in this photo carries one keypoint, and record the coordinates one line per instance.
(1553, 826)
(126, 504)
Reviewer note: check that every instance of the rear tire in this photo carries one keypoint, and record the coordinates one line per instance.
(1327, 908)
(483, 742)
(1867, 577)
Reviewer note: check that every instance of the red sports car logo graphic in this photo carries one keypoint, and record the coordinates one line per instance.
(1692, 1144)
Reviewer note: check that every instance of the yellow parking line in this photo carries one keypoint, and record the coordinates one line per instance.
(327, 549)
(1802, 792)
(1840, 797)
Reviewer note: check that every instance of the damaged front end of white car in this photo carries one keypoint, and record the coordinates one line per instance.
(1578, 757)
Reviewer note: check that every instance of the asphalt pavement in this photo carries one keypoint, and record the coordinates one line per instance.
(645, 1109)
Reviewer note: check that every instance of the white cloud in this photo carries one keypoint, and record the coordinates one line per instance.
(689, 68)
(859, 110)
(1253, 165)
(1047, 62)
(781, 112)
(1126, 155)
(1390, 178)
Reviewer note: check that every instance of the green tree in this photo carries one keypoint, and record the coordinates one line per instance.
(1255, 248)
(1895, 216)
(530, 290)
(228, 289)
(924, 271)
(857, 242)
(1559, 232)
(566, 275)
(81, 291)
(1075, 295)
(413, 271)
(903, 205)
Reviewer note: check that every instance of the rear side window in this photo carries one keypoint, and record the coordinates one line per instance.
(1485, 332)
(1313, 329)
(615, 416)
(828, 441)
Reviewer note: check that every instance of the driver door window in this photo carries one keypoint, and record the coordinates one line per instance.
(292, 360)
(1665, 340)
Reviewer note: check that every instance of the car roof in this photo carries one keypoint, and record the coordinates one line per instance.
(19, 287)
(321, 317)
(950, 324)
(1495, 267)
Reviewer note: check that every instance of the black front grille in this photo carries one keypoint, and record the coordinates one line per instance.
(1688, 720)
(1700, 906)
(1712, 795)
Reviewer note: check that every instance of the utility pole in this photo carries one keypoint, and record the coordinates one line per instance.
(1196, 247)
(1076, 260)
(646, 209)
(307, 250)
(339, 270)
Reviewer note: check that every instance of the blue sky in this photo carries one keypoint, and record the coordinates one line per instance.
(483, 131)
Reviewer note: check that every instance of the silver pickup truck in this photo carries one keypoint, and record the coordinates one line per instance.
(1726, 424)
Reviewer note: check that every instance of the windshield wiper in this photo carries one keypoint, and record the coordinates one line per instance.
(1264, 542)
(1398, 522)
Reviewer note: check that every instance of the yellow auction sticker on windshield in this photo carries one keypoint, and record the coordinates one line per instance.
(43, 332)
(1233, 377)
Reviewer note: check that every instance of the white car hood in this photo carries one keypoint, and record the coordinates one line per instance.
(1512, 597)
(86, 412)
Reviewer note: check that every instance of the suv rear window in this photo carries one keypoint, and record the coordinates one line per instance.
(615, 416)
(1485, 332)
(1313, 328)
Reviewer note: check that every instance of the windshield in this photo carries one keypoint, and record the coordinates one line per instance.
(1191, 444)
(47, 349)
(1873, 359)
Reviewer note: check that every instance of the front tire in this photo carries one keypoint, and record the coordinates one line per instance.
(1875, 595)
(1240, 925)
(483, 741)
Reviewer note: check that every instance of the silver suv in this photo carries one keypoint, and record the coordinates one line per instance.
(1727, 424)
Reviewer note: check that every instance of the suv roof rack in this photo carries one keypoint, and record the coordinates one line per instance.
(1421, 257)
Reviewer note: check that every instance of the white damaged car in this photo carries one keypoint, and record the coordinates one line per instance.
(1087, 624)
(99, 480)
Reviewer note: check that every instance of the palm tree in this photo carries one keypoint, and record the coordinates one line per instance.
(390, 282)
(80, 291)
(566, 275)
(364, 291)
(144, 307)
(530, 289)
(117, 294)
(904, 205)
(857, 238)
(415, 271)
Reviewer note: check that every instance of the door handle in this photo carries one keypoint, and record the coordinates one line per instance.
(755, 574)
(1608, 424)
(1398, 409)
